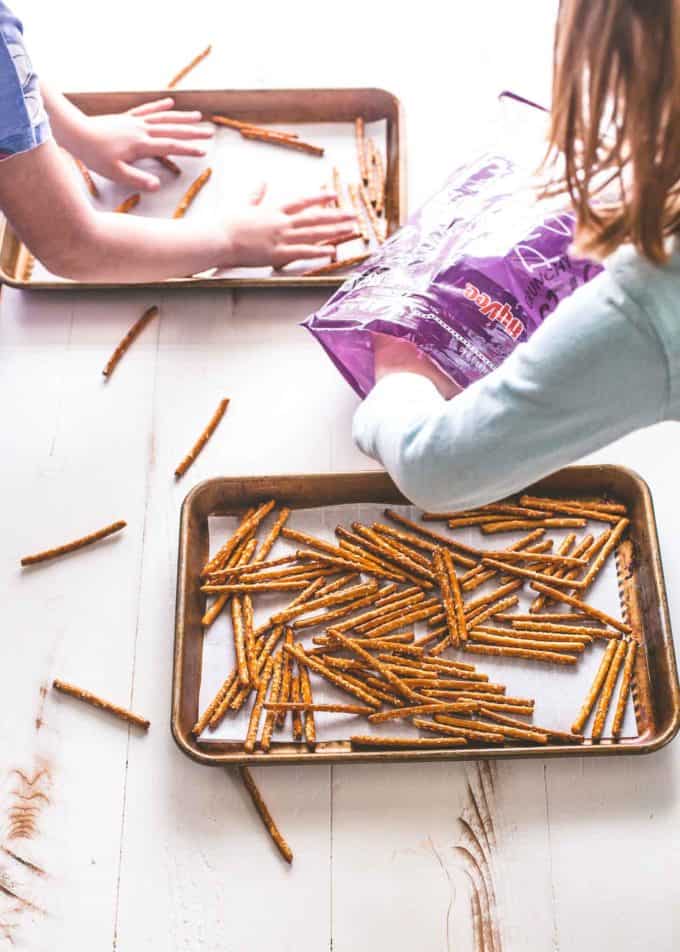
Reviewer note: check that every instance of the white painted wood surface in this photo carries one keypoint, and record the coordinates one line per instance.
(141, 848)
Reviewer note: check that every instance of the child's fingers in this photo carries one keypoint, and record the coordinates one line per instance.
(156, 106)
(290, 253)
(138, 178)
(178, 131)
(318, 233)
(174, 115)
(322, 198)
(329, 216)
(170, 147)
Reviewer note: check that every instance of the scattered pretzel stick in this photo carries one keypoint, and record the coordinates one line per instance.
(204, 719)
(469, 733)
(360, 136)
(274, 693)
(423, 531)
(149, 314)
(416, 566)
(405, 712)
(248, 525)
(75, 545)
(457, 683)
(537, 634)
(379, 173)
(357, 649)
(403, 743)
(189, 67)
(582, 549)
(624, 689)
(336, 598)
(256, 713)
(266, 817)
(540, 625)
(198, 446)
(265, 135)
(491, 611)
(371, 214)
(582, 607)
(394, 613)
(525, 643)
(528, 556)
(191, 193)
(608, 690)
(571, 507)
(520, 733)
(308, 699)
(604, 554)
(236, 123)
(87, 178)
(596, 687)
(168, 164)
(128, 204)
(526, 573)
(502, 719)
(511, 525)
(447, 597)
(80, 694)
(342, 264)
(566, 618)
(239, 558)
(554, 657)
(493, 509)
(302, 706)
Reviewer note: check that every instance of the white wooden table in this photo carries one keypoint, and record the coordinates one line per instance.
(140, 847)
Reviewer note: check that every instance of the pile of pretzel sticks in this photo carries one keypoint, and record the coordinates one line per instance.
(363, 596)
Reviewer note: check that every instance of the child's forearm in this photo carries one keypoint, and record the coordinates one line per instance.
(592, 373)
(66, 120)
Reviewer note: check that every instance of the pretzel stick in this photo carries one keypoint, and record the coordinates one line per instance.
(409, 664)
(401, 546)
(416, 563)
(523, 709)
(296, 695)
(265, 135)
(340, 265)
(442, 664)
(516, 729)
(459, 608)
(352, 645)
(384, 554)
(168, 164)
(324, 617)
(531, 654)
(525, 643)
(403, 712)
(337, 187)
(191, 193)
(480, 574)
(404, 743)
(491, 714)
(362, 224)
(241, 124)
(336, 598)
(256, 713)
(301, 706)
(458, 683)
(492, 610)
(266, 817)
(608, 690)
(579, 509)
(204, 719)
(522, 732)
(548, 617)
(604, 554)
(582, 607)
(406, 672)
(469, 733)
(339, 680)
(528, 573)
(540, 625)
(364, 562)
(308, 700)
(596, 687)
(80, 694)
(407, 619)
(29, 264)
(75, 545)
(247, 526)
(378, 644)
(625, 687)
(87, 178)
(286, 680)
(128, 204)
(240, 589)
(239, 571)
(510, 525)
(191, 456)
(550, 560)
(361, 148)
(274, 693)
(397, 612)
(233, 700)
(188, 68)
(371, 215)
(248, 639)
(133, 333)
(379, 180)
(450, 615)
(476, 519)
(493, 509)
(537, 635)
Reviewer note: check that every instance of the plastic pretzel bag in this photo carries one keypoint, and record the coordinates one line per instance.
(472, 273)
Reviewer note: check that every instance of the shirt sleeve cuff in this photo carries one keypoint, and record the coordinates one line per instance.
(395, 396)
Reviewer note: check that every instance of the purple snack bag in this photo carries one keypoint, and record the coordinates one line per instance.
(471, 274)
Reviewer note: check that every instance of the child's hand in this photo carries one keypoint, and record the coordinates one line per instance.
(269, 235)
(393, 355)
(110, 144)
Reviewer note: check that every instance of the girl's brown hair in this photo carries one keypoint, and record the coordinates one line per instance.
(616, 121)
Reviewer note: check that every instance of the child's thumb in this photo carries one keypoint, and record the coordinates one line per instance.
(129, 175)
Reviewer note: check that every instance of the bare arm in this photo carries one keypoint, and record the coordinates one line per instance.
(42, 199)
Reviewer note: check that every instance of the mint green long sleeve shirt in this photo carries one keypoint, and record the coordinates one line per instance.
(607, 362)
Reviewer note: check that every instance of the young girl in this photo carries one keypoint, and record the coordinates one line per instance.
(608, 360)
(46, 206)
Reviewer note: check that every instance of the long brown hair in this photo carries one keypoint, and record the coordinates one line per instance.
(615, 126)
